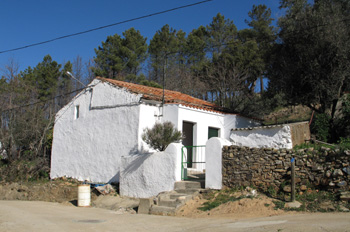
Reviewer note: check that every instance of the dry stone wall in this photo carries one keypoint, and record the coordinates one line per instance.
(268, 168)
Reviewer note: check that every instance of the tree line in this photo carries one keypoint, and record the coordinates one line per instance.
(304, 59)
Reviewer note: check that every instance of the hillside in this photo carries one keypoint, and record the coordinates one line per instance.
(288, 114)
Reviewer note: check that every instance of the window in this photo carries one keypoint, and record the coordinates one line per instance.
(213, 132)
(76, 112)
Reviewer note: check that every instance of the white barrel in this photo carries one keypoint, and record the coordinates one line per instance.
(84, 195)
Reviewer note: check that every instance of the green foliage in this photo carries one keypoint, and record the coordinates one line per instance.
(315, 146)
(119, 56)
(312, 200)
(271, 192)
(342, 122)
(161, 135)
(29, 111)
(141, 79)
(311, 62)
(344, 143)
(44, 77)
(321, 127)
(279, 204)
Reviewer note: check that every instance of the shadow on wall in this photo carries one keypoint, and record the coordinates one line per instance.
(115, 178)
(136, 163)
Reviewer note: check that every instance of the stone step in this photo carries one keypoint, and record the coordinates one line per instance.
(162, 210)
(187, 185)
(177, 195)
(189, 191)
(168, 203)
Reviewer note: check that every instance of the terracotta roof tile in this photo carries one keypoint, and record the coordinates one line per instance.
(171, 97)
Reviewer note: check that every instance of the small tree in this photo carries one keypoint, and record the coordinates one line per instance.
(161, 135)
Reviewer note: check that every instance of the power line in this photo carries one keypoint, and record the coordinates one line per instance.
(42, 101)
(106, 26)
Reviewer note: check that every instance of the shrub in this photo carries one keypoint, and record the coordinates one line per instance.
(321, 127)
(161, 135)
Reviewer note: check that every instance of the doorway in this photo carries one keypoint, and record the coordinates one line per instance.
(187, 130)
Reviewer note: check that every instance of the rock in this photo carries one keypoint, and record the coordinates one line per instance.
(324, 181)
(327, 206)
(287, 189)
(294, 204)
(317, 167)
(342, 208)
(278, 162)
(328, 173)
(345, 196)
(299, 163)
(144, 206)
(337, 172)
(347, 152)
(331, 184)
(287, 198)
(347, 170)
(342, 184)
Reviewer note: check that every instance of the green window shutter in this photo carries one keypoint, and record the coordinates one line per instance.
(213, 132)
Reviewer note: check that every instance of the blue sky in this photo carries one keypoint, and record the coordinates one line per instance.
(26, 22)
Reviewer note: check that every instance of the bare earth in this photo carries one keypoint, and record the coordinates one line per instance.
(261, 206)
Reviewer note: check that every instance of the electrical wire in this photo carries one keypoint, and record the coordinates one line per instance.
(106, 26)
(42, 101)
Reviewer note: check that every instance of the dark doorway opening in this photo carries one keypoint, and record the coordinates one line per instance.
(187, 130)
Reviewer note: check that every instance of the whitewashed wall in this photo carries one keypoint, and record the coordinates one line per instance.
(149, 115)
(90, 146)
(213, 158)
(275, 137)
(146, 175)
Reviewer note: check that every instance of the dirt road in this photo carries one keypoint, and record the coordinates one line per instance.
(44, 216)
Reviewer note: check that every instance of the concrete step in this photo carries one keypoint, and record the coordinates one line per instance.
(176, 195)
(162, 210)
(188, 191)
(187, 185)
(168, 203)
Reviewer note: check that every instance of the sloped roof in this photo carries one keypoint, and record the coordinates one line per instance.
(170, 97)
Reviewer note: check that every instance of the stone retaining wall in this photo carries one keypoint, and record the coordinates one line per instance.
(267, 168)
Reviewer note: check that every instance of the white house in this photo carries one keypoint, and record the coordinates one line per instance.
(106, 120)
